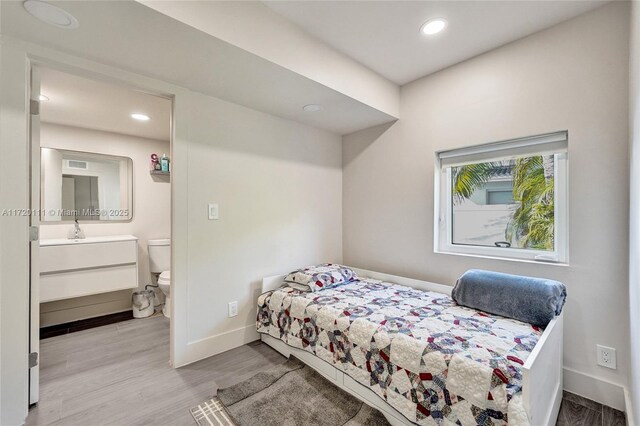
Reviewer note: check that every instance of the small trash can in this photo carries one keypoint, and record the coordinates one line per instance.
(142, 303)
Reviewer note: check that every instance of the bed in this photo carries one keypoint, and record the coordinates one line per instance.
(385, 340)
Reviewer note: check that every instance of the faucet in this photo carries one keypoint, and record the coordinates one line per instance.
(76, 233)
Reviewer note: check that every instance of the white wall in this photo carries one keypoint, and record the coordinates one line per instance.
(634, 231)
(279, 189)
(151, 212)
(572, 76)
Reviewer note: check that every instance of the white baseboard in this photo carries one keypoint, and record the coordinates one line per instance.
(593, 388)
(628, 408)
(213, 345)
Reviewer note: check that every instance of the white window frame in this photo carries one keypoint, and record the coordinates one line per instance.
(551, 143)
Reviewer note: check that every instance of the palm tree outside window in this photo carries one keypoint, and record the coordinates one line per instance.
(505, 199)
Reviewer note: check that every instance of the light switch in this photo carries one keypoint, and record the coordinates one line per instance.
(213, 211)
(233, 309)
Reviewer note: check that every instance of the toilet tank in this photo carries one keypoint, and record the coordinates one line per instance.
(159, 255)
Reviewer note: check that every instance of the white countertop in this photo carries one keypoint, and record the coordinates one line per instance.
(88, 240)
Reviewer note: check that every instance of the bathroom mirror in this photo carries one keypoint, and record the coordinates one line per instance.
(85, 186)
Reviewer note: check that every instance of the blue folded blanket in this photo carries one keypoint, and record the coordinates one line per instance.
(532, 300)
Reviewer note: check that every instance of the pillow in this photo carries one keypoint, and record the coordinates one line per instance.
(319, 277)
(535, 301)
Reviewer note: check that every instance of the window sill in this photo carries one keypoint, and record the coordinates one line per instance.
(509, 259)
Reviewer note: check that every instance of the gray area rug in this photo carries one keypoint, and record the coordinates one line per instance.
(295, 394)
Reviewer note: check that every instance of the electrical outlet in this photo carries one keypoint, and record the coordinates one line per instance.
(606, 356)
(233, 309)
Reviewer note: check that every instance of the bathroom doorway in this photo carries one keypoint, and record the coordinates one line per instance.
(101, 188)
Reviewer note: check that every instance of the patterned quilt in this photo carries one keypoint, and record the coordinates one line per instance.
(432, 360)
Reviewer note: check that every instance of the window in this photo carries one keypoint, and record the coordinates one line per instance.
(500, 196)
(505, 199)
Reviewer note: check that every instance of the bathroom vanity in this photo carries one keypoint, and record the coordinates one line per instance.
(75, 268)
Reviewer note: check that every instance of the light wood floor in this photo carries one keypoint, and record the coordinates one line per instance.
(119, 375)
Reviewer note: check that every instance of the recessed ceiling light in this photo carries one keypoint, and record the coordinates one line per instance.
(312, 108)
(51, 14)
(43, 98)
(140, 117)
(433, 26)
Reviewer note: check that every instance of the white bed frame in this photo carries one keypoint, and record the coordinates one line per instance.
(542, 372)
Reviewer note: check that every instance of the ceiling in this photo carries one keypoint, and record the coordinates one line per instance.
(80, 102)
(385, 35)
(382, 35)
(135, 38)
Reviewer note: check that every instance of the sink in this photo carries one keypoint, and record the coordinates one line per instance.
(89, 240)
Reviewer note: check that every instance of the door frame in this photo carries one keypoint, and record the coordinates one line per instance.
(14, 258)
(38, 56)
(34, 240)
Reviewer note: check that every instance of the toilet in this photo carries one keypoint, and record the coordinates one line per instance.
(164, 282)
(160, 265)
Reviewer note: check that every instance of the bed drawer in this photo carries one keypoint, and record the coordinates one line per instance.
(322, 367)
